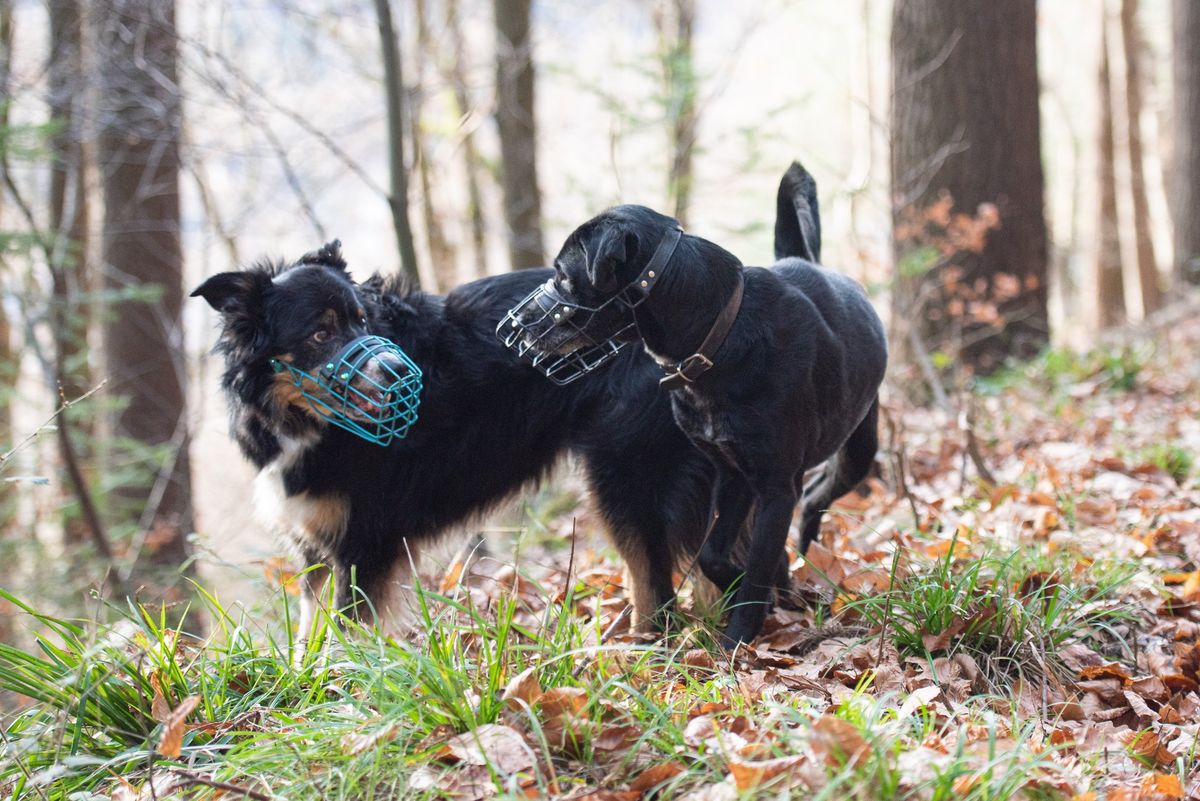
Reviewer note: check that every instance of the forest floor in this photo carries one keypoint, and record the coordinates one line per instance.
(1012, 610)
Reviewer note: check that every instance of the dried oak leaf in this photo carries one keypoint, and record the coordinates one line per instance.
(748, 775)
(655, 775)
(501, 747)
(174, 725)
(355, 743)
(839, 741)
(1147, 745)
(522, 691)
(1163, 784)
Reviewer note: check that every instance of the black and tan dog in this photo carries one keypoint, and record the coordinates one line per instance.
(488, 426)
(771, 371)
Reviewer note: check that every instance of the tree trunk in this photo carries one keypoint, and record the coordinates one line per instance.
(68, 217)
(1110, 286)
(441, 254)
(394, 87)
(471, 160)
(1147, 264)
(1185, 188)
(518, 134)
(675, 20)
(140, 120)
(9, 365)
(970, 241)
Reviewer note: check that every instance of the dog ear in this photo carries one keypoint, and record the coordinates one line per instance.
(329, 254)
(616, 246)
(233, 293)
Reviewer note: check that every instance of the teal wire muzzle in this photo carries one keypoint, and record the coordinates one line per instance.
(371, 388)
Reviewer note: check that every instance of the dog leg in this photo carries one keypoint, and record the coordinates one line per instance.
(731, 500)
(392, 595)
(753, 598)
(313, 587)
(844, 471)
(648, 579)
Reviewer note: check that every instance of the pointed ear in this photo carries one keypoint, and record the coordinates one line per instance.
(616, 246)
(233, 293)
(329, 254)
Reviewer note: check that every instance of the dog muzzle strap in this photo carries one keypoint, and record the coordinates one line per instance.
(700, 362)
(370, 388)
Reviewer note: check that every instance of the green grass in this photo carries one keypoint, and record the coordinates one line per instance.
(1010, 613)
(360, 716)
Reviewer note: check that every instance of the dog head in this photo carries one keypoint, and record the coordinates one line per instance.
(591, 298)
(298, 345)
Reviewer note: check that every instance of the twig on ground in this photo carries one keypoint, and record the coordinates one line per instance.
(898, 463)
(195, 778)
(966, 421)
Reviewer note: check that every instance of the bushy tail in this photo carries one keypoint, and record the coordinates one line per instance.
(797, 216)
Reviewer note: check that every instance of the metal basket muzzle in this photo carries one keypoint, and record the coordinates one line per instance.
(564, 340)
(371, 388)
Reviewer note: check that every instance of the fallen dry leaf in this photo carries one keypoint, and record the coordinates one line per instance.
(170, 744)
(655, 775)
(523, 690)
(356, 743)
(492, 745)
(839, 741)
(749, 775)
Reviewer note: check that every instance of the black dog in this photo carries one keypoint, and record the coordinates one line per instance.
(488, 425)
(773, 370)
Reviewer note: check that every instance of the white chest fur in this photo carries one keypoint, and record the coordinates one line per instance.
(307, 520)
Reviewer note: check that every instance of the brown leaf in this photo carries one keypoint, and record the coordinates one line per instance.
(748, 775)
(1179, 683)
(1112, 670)
(1165, 784)
(174, 725)
(699, 658)
(941, 640)
(616, 738)
(1152, 688)
(501, 747)
(1145, 744)
(655, 775)
(523, 690)
(160, 710)
(562, 700)
(355, 743)
(840, 741)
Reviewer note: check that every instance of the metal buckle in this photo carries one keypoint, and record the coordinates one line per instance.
(692, 361)
(680, 375)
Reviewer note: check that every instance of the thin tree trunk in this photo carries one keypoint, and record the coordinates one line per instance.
(1147, 264)
(441, 254)
(1185, 186)
(515, 120)
(68, 217)
(471, 160)
(9, 366)
(140, 120)
(393, 81)
(1110, 286)
(675, 20)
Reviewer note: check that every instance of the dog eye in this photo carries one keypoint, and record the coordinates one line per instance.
(320, 335)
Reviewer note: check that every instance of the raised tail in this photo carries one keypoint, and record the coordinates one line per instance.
(797, 216)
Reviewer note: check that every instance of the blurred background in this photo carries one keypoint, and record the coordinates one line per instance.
(1004, 177)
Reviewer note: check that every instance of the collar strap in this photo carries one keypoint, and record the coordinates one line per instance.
(654, 269)
(691, 368)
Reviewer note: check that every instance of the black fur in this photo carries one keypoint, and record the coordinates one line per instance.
(795, 381)
(488, 424)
